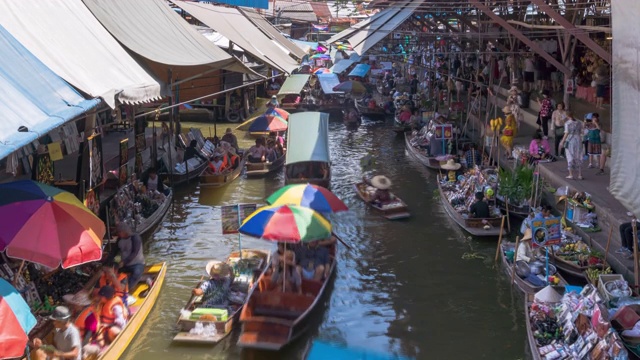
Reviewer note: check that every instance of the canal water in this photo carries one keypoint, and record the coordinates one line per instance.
(420, 288)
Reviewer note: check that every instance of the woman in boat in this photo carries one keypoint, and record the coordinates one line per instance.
(230, 138)
(216, 290)
(525, 251)
(153, 183)
(277, 138)
(313, 261)
(453, 167)
(257, 151)
(84, 314)
(382, 195)
(191, 151)
(217, 166)
(271, 154)
(280, 260)
(113, 313)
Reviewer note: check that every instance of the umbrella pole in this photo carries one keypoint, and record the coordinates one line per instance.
(515, 257)
(342, 241)
(284, 267)
(239, 235)
(15, 277)
(500, 239)
(606, 251)
(635, 251)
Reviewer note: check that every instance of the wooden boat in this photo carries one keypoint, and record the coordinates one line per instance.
(535, 354)
(254, 263)
(147, 225)
(255, 170)
(518, 211)
(272, 319)
(474, 226)
(176, 179)
(210, 180)
(419, 154)
(394, 211)
(376, 113)
(524, 286)
(399, 127)
(308, 159)
(146, 298)
(292, 91)
(569, 267)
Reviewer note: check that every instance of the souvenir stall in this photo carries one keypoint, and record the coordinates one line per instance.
(137, 206)
(460, 191)
(573, 256)
(574, 325)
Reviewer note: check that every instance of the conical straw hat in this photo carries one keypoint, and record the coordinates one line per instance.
(548, 295)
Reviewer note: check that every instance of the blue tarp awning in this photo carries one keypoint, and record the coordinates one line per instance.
(328, 82)
(31, 95)
(341, 66)
(360, 70)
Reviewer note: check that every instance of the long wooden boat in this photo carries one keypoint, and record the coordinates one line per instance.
(419, 154)
(474, 226)
(395, 210)
(256, 170)
(252, 263)
(524, 286)
(518, 211)
(210, 180)
(535, 354)
(308, 158)
(376, 113)
(271, 319)
(146, 297)
(571, 268)
(176, 179)
(147, 225)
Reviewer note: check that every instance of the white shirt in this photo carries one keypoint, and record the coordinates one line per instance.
(524, 252)
(120, 321)
(528, 65)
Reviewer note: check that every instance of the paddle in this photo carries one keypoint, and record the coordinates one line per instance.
(342, 241)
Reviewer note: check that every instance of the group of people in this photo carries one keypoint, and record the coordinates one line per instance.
(93, 319)
(267, 150)
(291, 263)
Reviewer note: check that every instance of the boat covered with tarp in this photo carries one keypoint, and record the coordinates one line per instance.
(308, 157)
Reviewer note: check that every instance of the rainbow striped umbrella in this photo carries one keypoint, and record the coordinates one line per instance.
(268, 123)
(312, 196)
(17, 321)
(278, 112)
(48, 226)
(286, 223)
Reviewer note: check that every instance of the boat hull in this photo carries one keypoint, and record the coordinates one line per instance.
(220, 180)
(144, 306)
(395, 213)
(223, 328)
(474, 226)
(257, 170)
(176, 180)
(428, 161)
(146, 227)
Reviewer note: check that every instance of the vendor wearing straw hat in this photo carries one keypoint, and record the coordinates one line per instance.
(215, 291)
(525, 251)
(382, 195)
(84, 314)
(453, 167)
(230, 138)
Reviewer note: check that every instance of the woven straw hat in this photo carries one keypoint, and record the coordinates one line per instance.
(218, 268)
(381, 182)
(451, 165)
(527, 235)
(548, 295)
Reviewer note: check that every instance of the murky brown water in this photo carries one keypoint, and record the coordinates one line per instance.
(403, 289)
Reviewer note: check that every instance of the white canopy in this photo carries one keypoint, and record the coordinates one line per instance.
(69, 40)
(275, 34)
(366, 34)
(237, 28)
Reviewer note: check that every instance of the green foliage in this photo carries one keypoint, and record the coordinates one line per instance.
(516, 185)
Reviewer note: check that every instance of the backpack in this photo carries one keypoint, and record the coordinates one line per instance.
(545, 108)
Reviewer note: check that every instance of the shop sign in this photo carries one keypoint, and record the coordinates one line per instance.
(233, 215)
(546, 231)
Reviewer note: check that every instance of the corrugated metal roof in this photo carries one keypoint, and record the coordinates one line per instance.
(260, 4)
(296, 11)
(321, 9)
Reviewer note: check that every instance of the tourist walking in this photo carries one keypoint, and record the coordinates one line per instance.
(572, 143)
(558, 119)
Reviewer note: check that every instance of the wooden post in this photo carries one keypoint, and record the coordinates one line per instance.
(506, 203)
(635, 252)
(606, 250)
(499, 240)
(515, 257)
(15, 277)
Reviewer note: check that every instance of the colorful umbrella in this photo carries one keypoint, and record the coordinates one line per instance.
(16, 320)
(312, 196)
(351, 86)
(268, 123)
(278, 112)
(286, 223)
(322, 71)
(321, 56)
(49, 226)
